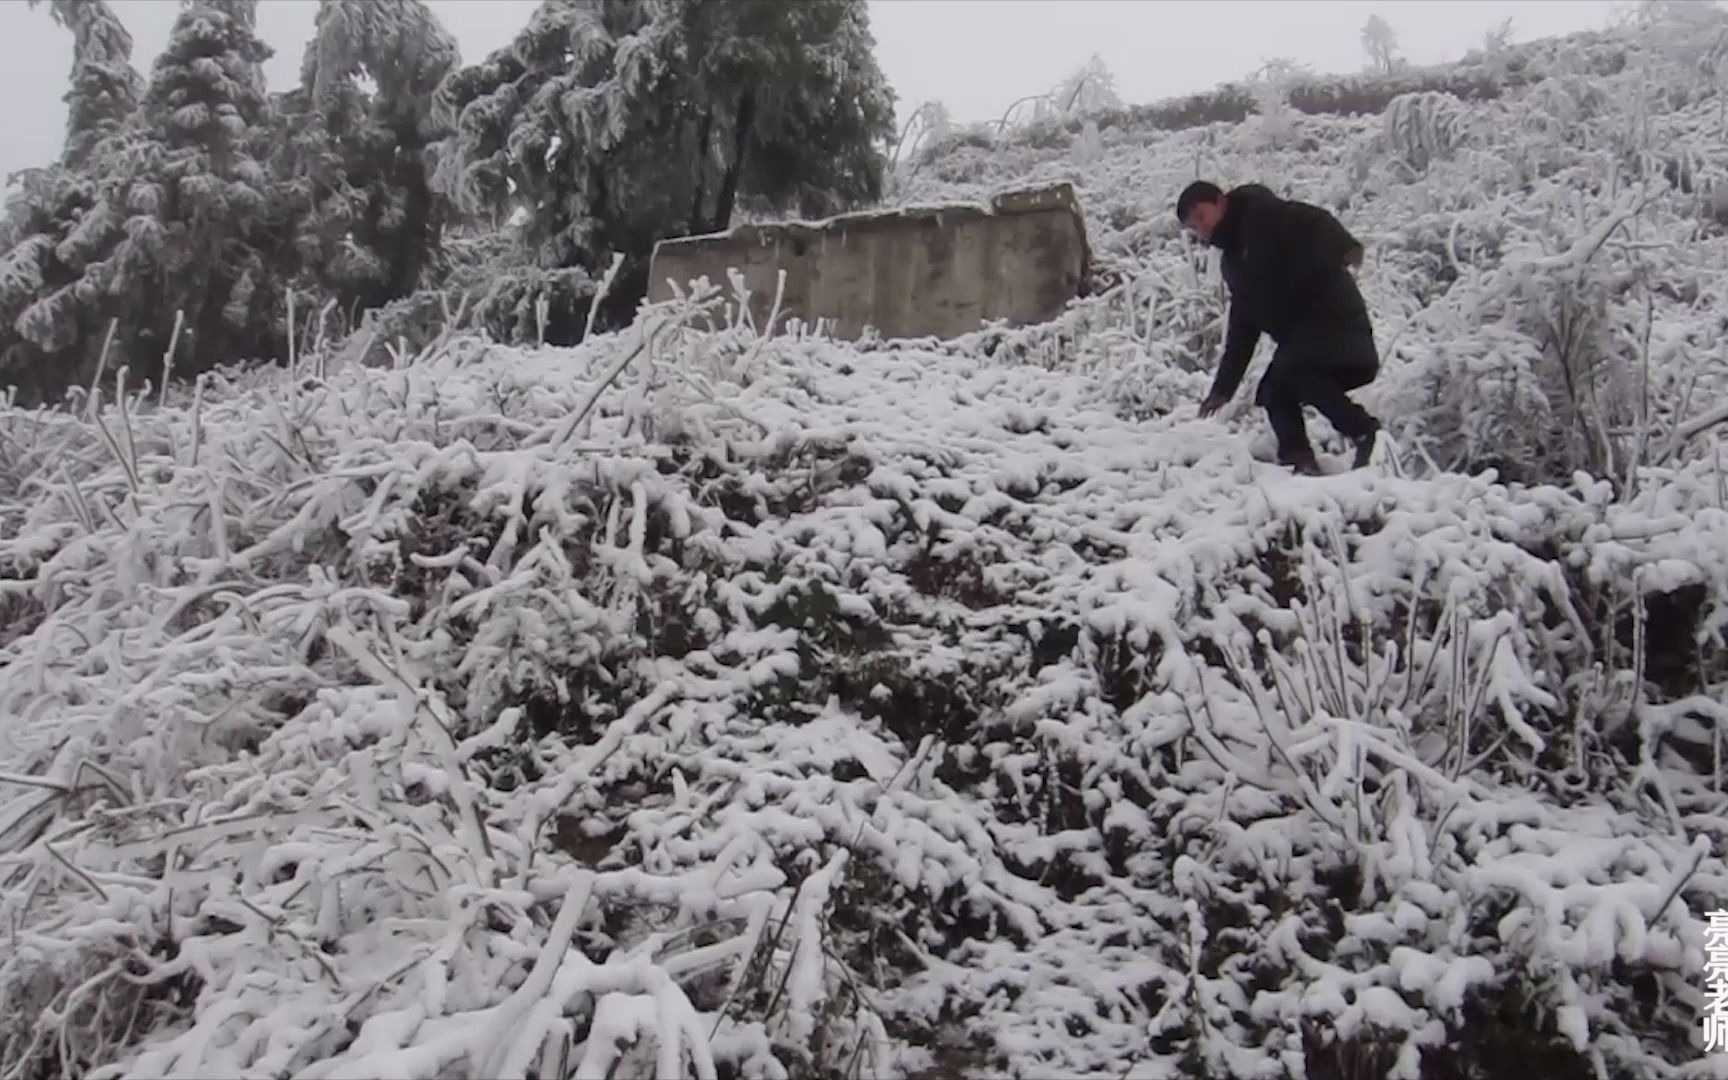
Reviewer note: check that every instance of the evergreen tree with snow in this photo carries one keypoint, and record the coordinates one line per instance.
(57, 223)
(615, 123)
(105, 88)
(175, 214)
(795, 108)
(203, 224)
(360, 161)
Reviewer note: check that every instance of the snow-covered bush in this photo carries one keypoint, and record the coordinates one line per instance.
(1271, 85)
(1422, 127)
(696, 702)
(1477, 400)
(514, 304)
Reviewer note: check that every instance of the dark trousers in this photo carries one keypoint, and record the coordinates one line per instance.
(1317, 371)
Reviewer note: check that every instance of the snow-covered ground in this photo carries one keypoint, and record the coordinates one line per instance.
(906, 711)
(789, 708)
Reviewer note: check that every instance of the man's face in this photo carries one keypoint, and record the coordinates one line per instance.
(1203, 218)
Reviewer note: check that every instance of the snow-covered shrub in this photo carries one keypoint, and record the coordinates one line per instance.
(1271, 85)
(1476, 400)
(517, 305)
(1565, 104)
(1692, 36)
(1422, 127)
(1583, 325)
(1089, 145)
(1143, 334)
(1087, 91)
(838, 712)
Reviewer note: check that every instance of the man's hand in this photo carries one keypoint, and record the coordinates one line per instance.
(1212, 404)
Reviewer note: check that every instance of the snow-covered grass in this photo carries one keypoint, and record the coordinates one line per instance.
(803, 710)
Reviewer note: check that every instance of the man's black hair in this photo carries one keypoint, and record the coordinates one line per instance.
(1200, 191)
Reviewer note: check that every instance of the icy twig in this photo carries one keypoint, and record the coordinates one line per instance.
(430, 703)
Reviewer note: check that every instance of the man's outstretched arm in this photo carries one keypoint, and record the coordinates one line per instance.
(1240, 337)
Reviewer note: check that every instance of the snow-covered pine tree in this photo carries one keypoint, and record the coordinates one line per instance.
(174, 213)
(798, 106)
(50, 222)
(105, 88)
(57, 223)
(360, 160)
(614, 123)
(509, 123)
(204, 232)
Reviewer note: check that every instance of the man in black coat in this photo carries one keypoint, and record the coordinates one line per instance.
(1287, 265)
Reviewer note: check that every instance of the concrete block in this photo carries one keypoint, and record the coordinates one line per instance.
(919, 271)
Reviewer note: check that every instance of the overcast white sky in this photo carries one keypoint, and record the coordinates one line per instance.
(978, 56)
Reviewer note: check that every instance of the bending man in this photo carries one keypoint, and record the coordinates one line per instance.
(1287, 265)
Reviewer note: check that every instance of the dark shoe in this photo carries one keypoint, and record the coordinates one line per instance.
(1301, 462)
(1365, 445)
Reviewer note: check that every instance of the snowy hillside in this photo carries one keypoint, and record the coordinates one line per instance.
(1546, 268)
(705, 702)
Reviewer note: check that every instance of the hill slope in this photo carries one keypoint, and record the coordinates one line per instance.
(1545, 265)
(794, 709)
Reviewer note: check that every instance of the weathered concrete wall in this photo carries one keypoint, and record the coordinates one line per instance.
(913, 272)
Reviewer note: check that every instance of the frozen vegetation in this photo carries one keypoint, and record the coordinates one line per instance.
(704, 700)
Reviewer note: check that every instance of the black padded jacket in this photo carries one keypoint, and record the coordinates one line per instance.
(1286, 264)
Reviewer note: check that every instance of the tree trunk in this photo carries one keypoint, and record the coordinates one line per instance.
(740, 146)
(205, 324)
(697, 224)
(418, 236)
(598, 253)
